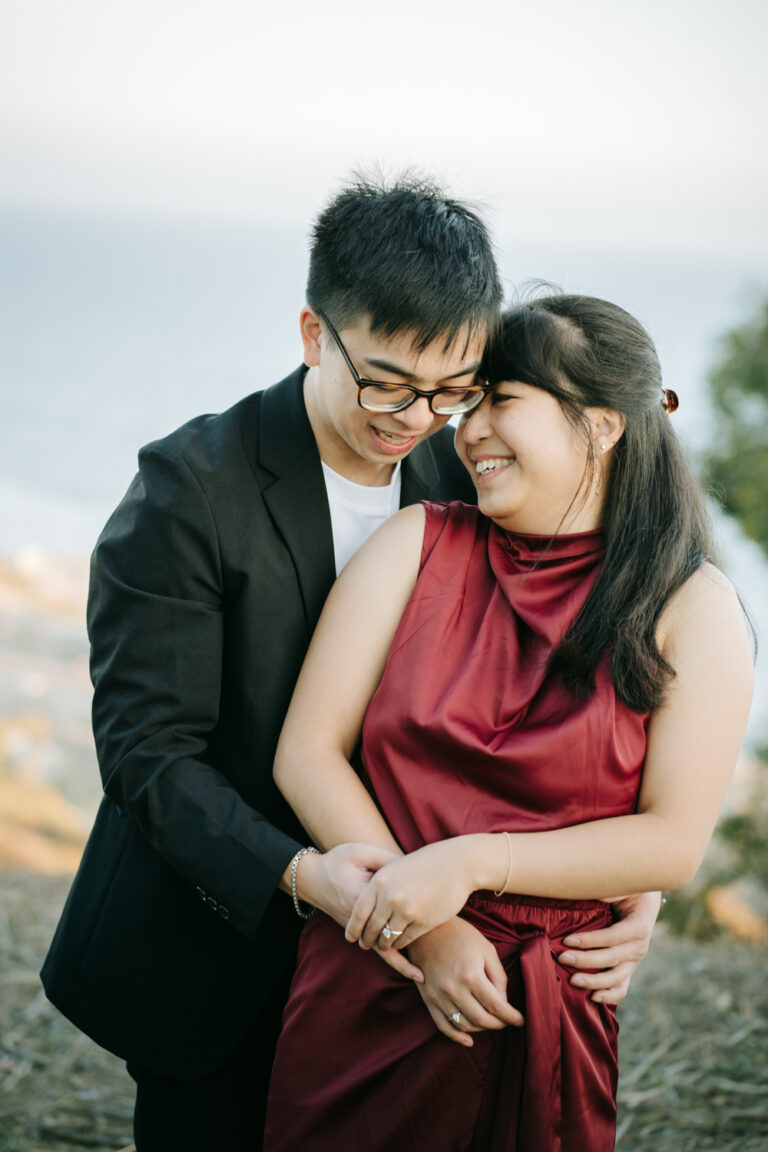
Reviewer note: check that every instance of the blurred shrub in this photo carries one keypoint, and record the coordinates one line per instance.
(736, 464)
(736, 469)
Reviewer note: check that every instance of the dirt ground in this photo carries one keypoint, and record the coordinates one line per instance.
(694, 1046)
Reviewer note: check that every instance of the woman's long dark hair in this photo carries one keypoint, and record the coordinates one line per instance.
(590, 353)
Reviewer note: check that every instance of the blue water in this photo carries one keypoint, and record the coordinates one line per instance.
(112, 332)
(115, 330)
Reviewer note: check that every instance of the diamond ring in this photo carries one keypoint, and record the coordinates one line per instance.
(455, 1019)
(388, 932)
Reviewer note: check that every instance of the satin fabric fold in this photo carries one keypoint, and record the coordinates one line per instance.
(360, 1064)
(542, 1108)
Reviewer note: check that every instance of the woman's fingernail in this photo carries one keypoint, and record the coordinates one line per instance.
(578, 981)
(572, 941)
(567, 958)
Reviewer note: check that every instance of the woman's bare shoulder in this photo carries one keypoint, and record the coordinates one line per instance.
(396, 540)
(708, 588)
(705, 607)
(385, 568)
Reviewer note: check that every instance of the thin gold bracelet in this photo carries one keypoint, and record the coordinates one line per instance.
(503, 888)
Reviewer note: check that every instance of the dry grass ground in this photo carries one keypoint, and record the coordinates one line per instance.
(694, 1039)
(57, 1089)
(694, 1046)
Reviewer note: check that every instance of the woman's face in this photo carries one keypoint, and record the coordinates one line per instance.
(529, 463)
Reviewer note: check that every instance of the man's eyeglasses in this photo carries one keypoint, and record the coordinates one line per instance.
(376, 396)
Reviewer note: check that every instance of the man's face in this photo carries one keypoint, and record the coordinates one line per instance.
(363, 445)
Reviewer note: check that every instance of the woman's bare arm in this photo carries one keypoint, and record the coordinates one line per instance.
(340, 674)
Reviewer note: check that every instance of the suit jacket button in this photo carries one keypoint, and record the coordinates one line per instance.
(224, 912)
(213, 902)
(201, 892)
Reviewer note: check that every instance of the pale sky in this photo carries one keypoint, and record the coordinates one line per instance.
(638, 125)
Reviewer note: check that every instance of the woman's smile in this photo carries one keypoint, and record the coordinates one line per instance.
(486, 467)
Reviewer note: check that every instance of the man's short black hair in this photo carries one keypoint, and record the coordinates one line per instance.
(407, 258)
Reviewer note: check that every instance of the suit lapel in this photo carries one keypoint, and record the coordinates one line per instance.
(297, 499)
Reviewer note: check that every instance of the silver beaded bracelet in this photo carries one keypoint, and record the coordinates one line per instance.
(306, 911)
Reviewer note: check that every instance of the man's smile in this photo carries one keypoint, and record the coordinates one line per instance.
(394, 442)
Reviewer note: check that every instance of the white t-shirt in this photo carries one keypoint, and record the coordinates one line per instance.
(357, 511)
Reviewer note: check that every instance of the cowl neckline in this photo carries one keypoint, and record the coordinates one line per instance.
(546, 579)
(521, 550)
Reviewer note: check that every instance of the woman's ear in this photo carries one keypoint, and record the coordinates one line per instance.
(310, 326)
(607, 427)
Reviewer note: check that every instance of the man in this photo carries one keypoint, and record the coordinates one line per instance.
(175, 947)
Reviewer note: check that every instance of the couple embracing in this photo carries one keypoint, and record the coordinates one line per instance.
(511, 722)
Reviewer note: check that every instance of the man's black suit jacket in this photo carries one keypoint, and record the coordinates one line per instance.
(206, 585)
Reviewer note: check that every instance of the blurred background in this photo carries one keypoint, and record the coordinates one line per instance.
(160, 167)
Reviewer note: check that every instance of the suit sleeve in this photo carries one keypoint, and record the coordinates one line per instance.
(155, 621)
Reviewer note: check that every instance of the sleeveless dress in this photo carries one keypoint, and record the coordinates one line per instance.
(468, 732)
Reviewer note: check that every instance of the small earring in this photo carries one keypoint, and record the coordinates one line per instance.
(597, 486)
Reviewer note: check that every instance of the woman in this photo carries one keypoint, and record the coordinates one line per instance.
(547, 724)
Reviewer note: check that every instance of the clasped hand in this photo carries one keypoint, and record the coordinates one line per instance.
(459, 970)
(335, 879)
(412, 894)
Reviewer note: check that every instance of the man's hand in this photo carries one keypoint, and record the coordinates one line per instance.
(462, 973)
(615, 951)
(332, 882)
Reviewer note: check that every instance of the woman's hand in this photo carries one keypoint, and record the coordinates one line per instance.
(410, 896)
(332, 882)
(463, 973)
(615, 951)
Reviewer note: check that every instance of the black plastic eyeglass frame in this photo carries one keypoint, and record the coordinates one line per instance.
(477, 390)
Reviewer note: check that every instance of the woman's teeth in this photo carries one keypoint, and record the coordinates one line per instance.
(490, 465)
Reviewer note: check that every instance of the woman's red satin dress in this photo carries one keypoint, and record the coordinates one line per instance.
(467, 732)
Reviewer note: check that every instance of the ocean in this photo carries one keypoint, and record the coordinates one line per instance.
(114, 330)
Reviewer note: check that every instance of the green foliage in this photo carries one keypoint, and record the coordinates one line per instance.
(737, 463)
(737, 469)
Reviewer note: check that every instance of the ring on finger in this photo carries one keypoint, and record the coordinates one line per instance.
(455, 1019)
(388, 932)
